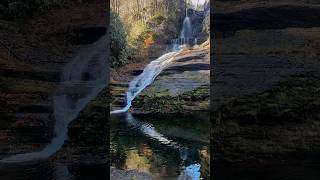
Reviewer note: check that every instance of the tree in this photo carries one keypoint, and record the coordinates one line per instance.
(118, 37)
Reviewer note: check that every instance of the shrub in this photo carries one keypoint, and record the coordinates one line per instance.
(118, 37)
(137, 33)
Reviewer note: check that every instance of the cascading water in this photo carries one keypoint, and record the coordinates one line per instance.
(186, 29)
(139, 83)
(82, 80)
(149, 73)
(186, 37)
(152, 70)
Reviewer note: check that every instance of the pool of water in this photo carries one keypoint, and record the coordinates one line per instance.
(175, 147)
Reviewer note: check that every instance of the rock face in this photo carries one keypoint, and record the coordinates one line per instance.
(48, 40)
(200, 22)
(187, 79)
(25, 113)
(283, 120)
(274, 17)
(189, 71)
(117, 174)
(264, 89)
(29, 72)
(181, 87)
(88, 136)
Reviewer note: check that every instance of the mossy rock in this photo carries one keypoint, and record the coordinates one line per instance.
(162, 102)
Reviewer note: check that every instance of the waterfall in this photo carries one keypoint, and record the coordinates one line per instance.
(139, 83)
(186, 32)
(150, 72)
(153, 69)
(82, 80)
(186, 36)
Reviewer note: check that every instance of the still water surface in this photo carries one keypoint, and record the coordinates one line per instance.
(166, 147)
(175, 147)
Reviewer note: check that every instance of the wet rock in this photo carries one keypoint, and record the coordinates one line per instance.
(117, 174)
(136, 72)
(88, 135)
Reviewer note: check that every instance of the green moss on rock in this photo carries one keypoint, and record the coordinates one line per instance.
(162, 102)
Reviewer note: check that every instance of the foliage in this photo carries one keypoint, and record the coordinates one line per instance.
(174, 18)
(138, 32)
(158, 18)
(118, 37)
(148, 22)
(200, 93)
(158, 103)
(149, 40)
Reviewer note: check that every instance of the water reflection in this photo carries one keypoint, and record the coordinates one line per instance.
(137, 144)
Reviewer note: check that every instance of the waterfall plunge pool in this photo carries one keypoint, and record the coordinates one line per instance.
(166, 147)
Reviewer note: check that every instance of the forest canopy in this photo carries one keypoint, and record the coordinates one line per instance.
(143, 24)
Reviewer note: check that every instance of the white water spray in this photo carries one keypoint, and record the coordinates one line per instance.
(150, 72)
(185, 37)
(82, 80)
(186, 32)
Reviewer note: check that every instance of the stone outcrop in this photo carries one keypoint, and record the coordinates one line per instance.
(88, 136)
(183, 86)
(30, 73)
(264, 88)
